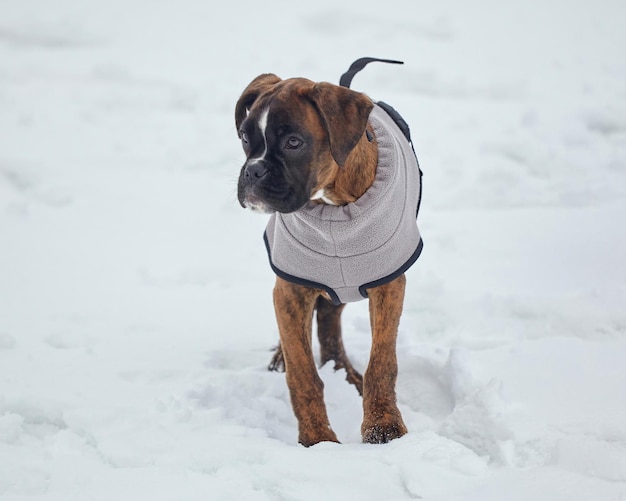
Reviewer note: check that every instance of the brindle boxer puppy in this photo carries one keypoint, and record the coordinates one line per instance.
(313, 146)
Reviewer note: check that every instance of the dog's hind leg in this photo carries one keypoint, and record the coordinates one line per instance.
(331, 342)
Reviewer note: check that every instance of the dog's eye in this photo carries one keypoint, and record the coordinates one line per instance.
(244, 137)
(293, 143)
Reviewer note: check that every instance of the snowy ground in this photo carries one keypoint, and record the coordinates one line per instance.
(135, 296)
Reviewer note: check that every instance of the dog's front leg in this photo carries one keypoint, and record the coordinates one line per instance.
(382, 420)
(294, 306)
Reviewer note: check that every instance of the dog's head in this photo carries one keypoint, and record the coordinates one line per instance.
(295, 134)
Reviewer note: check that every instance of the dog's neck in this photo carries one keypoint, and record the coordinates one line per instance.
(343, 185)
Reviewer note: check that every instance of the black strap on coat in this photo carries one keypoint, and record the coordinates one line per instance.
(346, 80)
(358, 65)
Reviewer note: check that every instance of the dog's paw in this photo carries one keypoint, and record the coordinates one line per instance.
(277, 364)
(308, 438)
(383, 426)
(353, 377)
(381, 434)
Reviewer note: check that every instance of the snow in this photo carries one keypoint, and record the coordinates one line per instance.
(136, 319)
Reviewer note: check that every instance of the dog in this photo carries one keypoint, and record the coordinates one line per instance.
(338, 174)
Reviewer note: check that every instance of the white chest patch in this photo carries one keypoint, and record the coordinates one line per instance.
(321, 195)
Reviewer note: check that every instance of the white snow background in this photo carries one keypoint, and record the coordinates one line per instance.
(136, 320)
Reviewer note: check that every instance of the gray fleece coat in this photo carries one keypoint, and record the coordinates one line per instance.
(348, 249)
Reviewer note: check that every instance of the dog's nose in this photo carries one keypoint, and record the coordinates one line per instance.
(254, 171)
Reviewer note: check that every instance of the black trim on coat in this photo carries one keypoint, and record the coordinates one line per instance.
(331, 292)
(395, 274)
(297, 280)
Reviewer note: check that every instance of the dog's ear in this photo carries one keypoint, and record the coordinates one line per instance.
(259, 85)
(344, 113)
